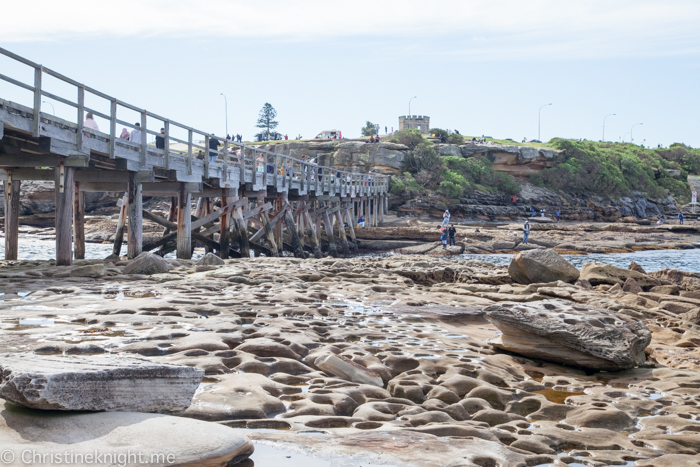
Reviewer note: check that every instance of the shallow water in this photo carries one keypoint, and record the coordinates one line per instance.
(32, 248)
(685, 260)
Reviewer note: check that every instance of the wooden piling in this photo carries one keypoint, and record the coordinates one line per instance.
(313, 235)
(328, 227)
(121, 224)
(241, 226)
(64, 189)
(269, 234)
(184, 224)
(135, 206)
(79, 223)
(224, 231)
(351, 226)
(341, 234)
(12, 191)
(297, 246)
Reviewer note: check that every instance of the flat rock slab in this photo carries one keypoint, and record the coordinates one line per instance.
(345, 368)
(160, 440)
(108, 383)
(572, 334)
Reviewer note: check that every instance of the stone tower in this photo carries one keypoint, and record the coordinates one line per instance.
(415, 122)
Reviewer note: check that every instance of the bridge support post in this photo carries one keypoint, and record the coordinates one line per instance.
(11, 217)
(341, 233)
(241, 226)
(313, 234)
(328, 226)
(224, 232)
(351, 225)
(121, 224)
(79, 223)
(65, 197)
(381, 208)
(297, 246)
(184, 223)
(269, 234)
(135, 214)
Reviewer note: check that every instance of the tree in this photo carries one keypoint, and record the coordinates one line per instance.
(369, 129)
(266, 119)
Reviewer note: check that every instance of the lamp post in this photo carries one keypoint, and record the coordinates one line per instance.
(226, 110)
(608, 115)
(53, 110)
(631, 134)
(409, 105)
(539, 121)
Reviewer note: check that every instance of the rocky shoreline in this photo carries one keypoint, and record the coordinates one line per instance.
(404, 360)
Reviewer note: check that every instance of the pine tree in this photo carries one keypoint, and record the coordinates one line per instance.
(266, 119)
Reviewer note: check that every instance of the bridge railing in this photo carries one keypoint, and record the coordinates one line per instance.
(266, 167)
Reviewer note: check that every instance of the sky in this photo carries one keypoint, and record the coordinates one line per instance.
(483, 67)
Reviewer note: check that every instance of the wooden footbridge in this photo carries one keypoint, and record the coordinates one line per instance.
(248, 200)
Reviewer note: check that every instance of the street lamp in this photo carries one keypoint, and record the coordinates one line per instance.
(631, 135)
(608, 115)
(226, 109)
(539, 121)
(409, 105)
(52, 107)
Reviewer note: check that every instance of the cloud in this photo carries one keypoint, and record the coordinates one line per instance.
(552, 29)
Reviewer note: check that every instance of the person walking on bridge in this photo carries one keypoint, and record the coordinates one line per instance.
(213, 144)
(526, 231)
(90, 122)
(160, 141)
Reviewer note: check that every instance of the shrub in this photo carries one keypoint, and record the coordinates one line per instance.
(369, 129)
(438, 132)
(451, 189)
(410, 138)
(403, 183)
(454, 138)
(423, 157)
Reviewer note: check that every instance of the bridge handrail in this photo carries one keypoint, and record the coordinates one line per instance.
(364, 183)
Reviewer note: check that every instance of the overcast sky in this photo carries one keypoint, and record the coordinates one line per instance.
(482, 67)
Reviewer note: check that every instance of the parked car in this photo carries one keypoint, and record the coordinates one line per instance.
(330, 134)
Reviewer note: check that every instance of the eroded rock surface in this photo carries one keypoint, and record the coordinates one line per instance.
(541, 266)
(97, 383)
(574, 335)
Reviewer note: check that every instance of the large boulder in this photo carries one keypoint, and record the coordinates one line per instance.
(571, 334)
(535, 266)
(345, 368)
(683, 279)
(210, 259)
(98, 383)
(147, 263)
(159, 440)
(601, 273)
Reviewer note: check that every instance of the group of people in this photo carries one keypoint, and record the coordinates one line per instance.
(374, 139)
(236, 138)
(448, 231)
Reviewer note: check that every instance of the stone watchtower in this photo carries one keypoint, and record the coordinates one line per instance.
(415, 122)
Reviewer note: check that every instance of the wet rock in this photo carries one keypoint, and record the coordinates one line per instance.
(345, 368)
(600, 273)
(210, 259)
(99, 383)
(541, 266)
(239, 396)
(147, 263)
(153, 437)
(91, 270)
(634, 266)
(575, 335)
(631, 286)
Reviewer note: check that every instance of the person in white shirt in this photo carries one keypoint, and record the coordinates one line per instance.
(136, 134)
(446, 218)
(90, 122)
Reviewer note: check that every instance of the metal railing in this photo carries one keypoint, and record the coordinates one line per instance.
(266, 167)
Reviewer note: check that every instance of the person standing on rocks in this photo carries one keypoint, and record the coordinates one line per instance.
(532, 211)
(443, 238)
(446, 218)
(680, 218)
(451, 233)
(557, 214)
(526, 231)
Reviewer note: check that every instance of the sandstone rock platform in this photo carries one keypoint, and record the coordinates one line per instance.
(98, 383)
(571, 334)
